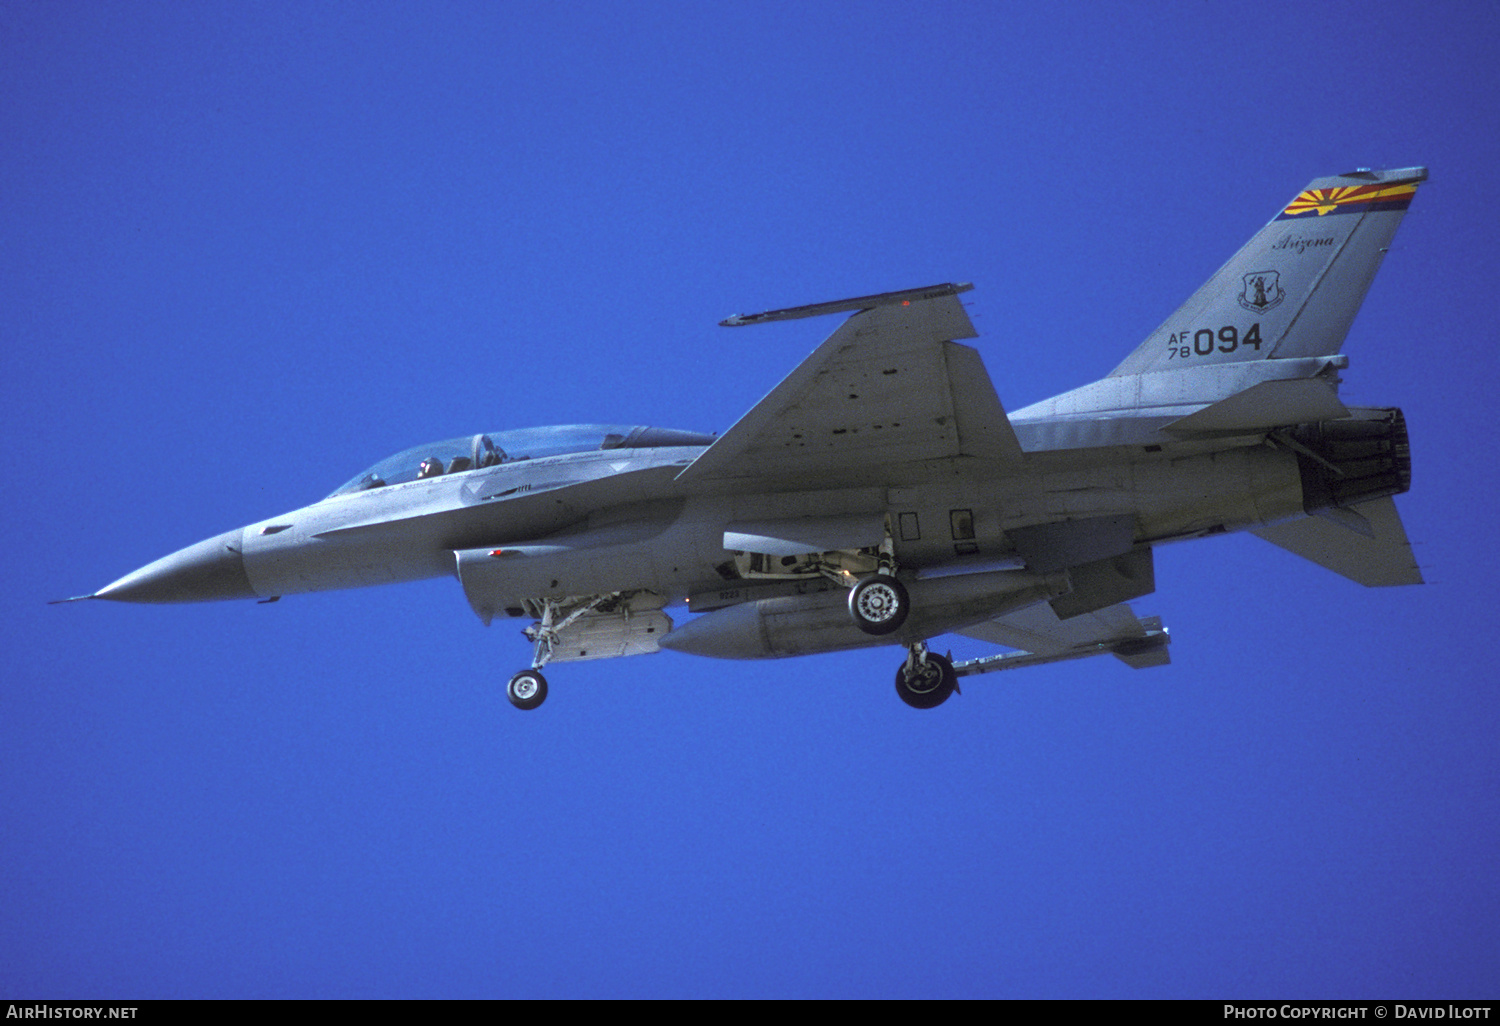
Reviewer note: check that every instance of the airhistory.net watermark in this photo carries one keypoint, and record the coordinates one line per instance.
(44, 1011)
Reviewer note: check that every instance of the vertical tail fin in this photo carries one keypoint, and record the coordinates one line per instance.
(1294, 289)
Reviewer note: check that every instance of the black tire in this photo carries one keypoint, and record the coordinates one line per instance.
(527, 689)
(930, 685)
(879, 604)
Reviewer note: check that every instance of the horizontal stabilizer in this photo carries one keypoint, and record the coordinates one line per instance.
(1374, 553)
(1266, 405)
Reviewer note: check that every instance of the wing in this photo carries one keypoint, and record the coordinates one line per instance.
(1043, 638)
(889, 386)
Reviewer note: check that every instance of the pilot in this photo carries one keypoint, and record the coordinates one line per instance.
(431, 467)
(486, 453)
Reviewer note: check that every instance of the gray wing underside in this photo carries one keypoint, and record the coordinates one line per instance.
(889, 386)
(1381, 558)
(1042, 637)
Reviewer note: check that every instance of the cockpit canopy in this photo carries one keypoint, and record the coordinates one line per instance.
(473, 452)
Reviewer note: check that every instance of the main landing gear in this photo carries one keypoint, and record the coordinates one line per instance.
(926, 679)
(879, 604)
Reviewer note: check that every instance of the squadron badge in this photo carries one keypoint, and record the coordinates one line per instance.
(1262, 291)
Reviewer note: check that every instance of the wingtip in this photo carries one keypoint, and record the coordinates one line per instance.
(906, 296)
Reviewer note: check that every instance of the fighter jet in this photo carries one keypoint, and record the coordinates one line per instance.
(880, 494)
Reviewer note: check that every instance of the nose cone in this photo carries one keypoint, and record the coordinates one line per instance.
(206, 572)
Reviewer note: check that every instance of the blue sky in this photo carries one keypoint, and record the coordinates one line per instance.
(248, 249)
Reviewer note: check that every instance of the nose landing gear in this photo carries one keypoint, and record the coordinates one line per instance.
(527, 689)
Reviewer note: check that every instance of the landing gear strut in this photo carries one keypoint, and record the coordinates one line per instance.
(926, 679)
(528, 689)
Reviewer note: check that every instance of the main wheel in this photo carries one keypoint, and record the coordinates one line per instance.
(929, 685)
(879, 604)
(527, 689)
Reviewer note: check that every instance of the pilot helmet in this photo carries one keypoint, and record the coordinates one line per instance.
(431, 467)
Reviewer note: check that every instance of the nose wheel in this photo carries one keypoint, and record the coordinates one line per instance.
(926, 679)
(527, 689)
